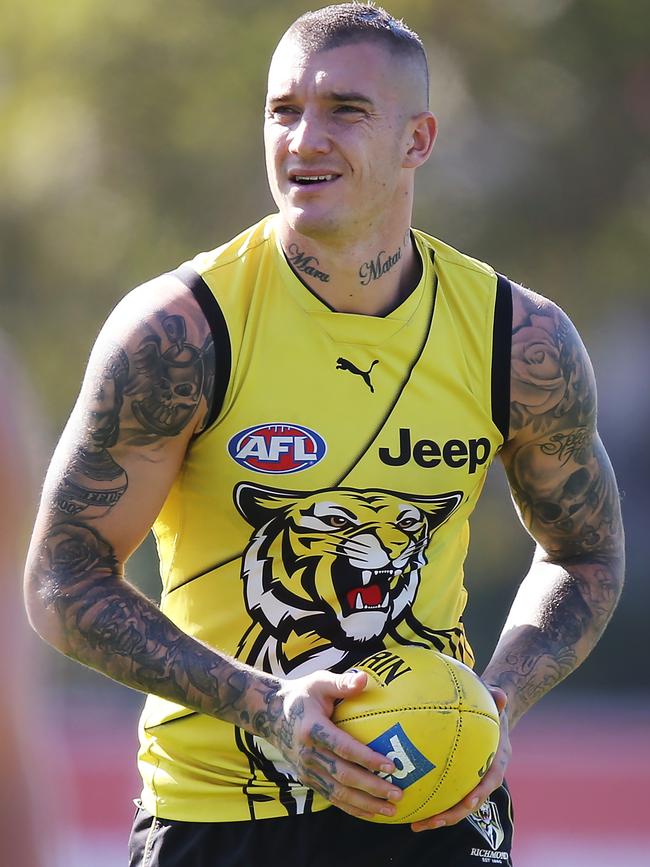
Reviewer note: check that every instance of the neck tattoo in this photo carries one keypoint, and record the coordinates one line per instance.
(377, 267)
(306, 264)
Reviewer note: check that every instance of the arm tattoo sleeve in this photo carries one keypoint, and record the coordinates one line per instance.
(136, 398)
(140, 398)
(169, 379)
(111, 627)
(94, 482)
(565, 491)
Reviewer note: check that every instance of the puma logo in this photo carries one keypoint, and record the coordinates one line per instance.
(344, 364)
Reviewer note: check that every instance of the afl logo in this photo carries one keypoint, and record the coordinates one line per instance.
(277, 448)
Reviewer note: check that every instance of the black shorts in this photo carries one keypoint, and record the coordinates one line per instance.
(329, 838)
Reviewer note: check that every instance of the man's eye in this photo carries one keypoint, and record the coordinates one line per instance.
(284, 110)
(348, 109)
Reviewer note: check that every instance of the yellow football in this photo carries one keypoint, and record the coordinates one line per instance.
(433, 717)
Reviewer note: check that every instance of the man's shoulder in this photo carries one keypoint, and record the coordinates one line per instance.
(525, 301)
(552, 382)
(527, 305)
(449, 256)
(238, 250)
(198, 304)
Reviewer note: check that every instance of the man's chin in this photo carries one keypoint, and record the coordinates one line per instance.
(311, 222)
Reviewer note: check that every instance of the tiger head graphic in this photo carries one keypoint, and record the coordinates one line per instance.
(341, 564)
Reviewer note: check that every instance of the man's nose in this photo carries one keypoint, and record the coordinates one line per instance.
(309, 135)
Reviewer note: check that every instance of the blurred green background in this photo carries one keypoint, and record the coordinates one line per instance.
(130, 138)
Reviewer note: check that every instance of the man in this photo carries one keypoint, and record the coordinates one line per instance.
(306, 416)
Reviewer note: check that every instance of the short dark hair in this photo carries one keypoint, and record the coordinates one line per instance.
(345, 23)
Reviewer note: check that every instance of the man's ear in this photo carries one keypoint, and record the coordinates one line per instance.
(424, 128)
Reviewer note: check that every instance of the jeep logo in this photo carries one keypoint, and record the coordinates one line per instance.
(428, 453)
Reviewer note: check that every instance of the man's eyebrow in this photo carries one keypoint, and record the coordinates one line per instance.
(332, 96)
(350, 97)
(279, 97)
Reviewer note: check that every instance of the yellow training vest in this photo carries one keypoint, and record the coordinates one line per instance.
(324, 514)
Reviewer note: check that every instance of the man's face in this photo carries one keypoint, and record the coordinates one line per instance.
(336, 131)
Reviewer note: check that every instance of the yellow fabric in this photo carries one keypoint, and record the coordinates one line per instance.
(283, 570)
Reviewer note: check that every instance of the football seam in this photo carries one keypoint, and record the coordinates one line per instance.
(408, 707)
(454, 749)
(452, 752)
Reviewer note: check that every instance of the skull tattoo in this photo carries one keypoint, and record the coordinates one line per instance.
(560, 498)
(174, 378)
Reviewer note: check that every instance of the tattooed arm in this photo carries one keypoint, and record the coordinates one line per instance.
(565, 493)
(564, 489)
(145, 394)
(142, 399)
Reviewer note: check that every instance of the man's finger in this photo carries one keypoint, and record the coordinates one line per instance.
(451, 817)
(351, 682)
(346, 747)
(353, 799)
(499, 696)
(353, 777)
(347, 786)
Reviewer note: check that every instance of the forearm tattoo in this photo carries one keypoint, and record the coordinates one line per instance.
(114, 629)
(138, 397)
(565, 490)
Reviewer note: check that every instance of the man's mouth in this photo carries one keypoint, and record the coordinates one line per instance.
(310, 180)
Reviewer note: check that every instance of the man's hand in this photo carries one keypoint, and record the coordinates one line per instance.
(492, 780)
(326, 759)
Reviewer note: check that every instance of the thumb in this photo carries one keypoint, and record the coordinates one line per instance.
(499, 696)
(350, 683)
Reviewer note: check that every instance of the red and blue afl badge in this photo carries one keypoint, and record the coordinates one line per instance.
(277, 448)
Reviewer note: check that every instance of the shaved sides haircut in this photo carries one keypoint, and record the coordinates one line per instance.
(347, 23)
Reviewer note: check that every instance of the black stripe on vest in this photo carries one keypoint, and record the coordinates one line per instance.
(501, 356)
(220, 337)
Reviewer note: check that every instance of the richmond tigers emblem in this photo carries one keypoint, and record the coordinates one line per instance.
(333, 572)
(340, 565)
(487, 822)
